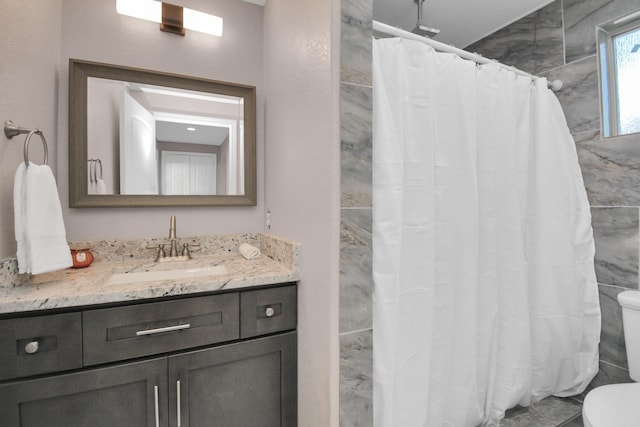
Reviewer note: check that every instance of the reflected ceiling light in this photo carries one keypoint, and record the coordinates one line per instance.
(191, 129)
(172, 18)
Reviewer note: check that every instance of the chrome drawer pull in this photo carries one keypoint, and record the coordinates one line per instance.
(178, 403)
(269, 312)
(32, 347)
(155, 399)
(161, 330)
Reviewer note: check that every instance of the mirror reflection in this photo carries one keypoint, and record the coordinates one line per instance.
(145, 138)
(148, 139)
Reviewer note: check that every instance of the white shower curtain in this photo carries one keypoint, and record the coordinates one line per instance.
(485, 293)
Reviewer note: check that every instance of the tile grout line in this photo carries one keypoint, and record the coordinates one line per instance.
(356, 84)
(564, 423)
(355, 332)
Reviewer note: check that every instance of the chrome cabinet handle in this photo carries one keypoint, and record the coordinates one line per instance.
(178, 403)
(32, 347)
(269, 312)
(161, 330)
(155, 398)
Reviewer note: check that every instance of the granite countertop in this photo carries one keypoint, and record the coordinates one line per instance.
(278, 263)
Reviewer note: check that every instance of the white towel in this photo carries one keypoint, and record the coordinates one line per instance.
(19, 202)
(40, 232)
(101, 187)
(248, 251)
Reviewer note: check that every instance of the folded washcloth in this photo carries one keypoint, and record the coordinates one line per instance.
(248, 251)
(40, 232)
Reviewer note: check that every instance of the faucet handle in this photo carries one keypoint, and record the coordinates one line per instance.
(160, 254)
(186, 248)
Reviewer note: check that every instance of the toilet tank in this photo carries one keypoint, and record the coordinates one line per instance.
(630, 302)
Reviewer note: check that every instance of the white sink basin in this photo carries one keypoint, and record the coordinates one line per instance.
(178, 274)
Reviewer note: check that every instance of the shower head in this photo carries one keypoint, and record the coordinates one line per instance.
(420, 29)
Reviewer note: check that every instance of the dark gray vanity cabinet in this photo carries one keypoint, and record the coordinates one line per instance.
(234, 365)
(238, 385)
(124, 395)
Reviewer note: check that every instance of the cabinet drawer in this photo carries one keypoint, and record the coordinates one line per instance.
(266, 311)
(120, 333)
(37, 345)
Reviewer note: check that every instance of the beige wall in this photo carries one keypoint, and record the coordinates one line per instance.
(302, 181)
(92, 30)
(30, 47)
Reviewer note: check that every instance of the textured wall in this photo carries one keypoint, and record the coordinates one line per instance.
(558, 42)
(30, 34)
(302, 181)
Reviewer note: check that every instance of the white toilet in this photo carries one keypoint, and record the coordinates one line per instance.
(618, 405)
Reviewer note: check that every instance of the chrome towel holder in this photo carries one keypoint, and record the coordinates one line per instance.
(93, 170)
(11, 129)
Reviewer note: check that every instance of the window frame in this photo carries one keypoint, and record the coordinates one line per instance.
(607, 82)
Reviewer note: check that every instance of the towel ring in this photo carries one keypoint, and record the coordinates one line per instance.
(11, 129)
(44, 146)
(92, 170)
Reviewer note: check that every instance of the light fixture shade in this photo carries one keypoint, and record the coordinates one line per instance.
(202, 22)
(151, 10)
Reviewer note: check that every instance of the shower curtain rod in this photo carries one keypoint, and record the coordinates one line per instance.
(554, 85)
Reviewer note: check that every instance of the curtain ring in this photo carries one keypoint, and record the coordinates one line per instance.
(44, 146)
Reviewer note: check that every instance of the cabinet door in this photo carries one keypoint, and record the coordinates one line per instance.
(245, 384)
(114, 396)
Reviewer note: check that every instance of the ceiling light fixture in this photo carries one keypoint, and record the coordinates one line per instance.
(172, 18)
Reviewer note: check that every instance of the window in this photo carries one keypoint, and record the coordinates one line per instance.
(619, 63)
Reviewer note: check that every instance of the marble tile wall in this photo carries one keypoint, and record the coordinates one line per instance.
(609, 167)
(356, 283)
(534, 42)
(581, 18)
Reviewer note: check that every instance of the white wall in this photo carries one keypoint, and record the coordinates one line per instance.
(29, 47)
(92, 30)
(302, 181)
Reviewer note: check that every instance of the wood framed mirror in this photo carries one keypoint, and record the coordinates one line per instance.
(146, 138)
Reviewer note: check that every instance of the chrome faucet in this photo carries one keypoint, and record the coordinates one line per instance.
(185, 254)
(173, 251)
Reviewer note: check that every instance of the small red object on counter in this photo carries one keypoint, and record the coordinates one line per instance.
(82, 257)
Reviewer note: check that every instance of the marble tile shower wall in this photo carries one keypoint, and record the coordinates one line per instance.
(356, 283)
(558, 42)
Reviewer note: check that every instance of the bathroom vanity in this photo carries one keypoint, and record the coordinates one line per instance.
(207, 350)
